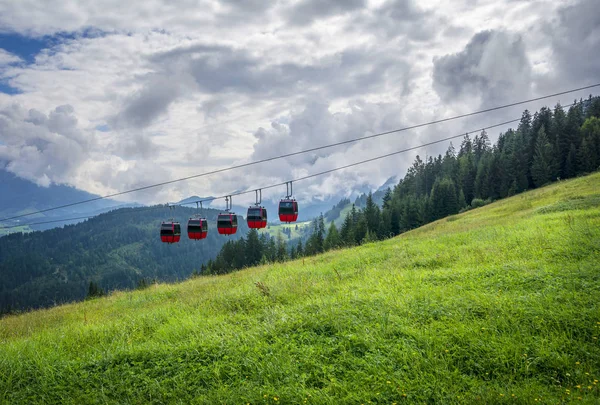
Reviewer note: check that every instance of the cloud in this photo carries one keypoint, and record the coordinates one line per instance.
(305, 12)
(42, 148)
(170, 89)
(401, 19)
(315, 125)
(223, 70)
(576, 42)
(493, 66)
(7, 58)
(148, 104)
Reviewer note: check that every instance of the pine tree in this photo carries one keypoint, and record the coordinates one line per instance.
(254, 249)
(281, 255)
(443, 198)
(360, 228)
(543, 160)
(299, 249)
(387, 198)
(571, 162)
(94, 290)
(589, 151)
(333, 240)
(347, 231)
(372, 214)
(467, 176)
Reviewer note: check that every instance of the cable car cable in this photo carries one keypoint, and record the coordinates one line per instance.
(229, 195)
(301, 152)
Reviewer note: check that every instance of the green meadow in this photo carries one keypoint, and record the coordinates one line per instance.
(500, 304)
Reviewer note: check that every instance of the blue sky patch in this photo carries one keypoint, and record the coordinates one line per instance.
(24, 47)
(103, 128)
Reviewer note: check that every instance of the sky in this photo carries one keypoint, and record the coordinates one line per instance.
(110, 95)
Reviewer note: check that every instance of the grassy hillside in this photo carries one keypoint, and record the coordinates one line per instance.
(496, 305)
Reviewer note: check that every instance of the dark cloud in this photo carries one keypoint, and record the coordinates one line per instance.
(212, 109)
(306, 11)
(576, 42)
(135, 146)
(492, 66)
(220, 69)
(399, 19)
(149, 103)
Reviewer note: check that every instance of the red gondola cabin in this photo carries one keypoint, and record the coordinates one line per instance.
(197, 228)
(288, 210)
(257, 217)
(227, 223)
(170, 232)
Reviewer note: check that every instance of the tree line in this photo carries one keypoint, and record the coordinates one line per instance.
(545, 147)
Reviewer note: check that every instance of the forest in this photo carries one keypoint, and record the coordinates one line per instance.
(121, 249)
(547, 146)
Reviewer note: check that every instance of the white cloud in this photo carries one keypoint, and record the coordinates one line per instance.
(7, 58)
(182, 89)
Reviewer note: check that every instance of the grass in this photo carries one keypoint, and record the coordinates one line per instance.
(274, 229)
(496, 305)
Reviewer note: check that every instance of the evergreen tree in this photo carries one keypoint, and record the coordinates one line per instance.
(360, 228)
(333, 240)
(372, 213)
(462, 203)
(543, 163)
(466, 147)
(387, 198)
(519, 163)
(94, 290)
(443, 198)
(481, 146)
(299, 249)
(347, 231)
(254, 249)
(589, 152)
(467, 175)
(571, 162)
(369, 237)
(282, 254)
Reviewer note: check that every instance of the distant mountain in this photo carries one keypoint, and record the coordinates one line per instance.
(191, 200)
(19, 196)
(339, 210)
(391, 182)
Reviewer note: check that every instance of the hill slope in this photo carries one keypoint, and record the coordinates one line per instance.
(15, 192)
(497, 305)
(115, 250)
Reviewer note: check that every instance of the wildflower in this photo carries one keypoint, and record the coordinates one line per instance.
(389, 382)
(275, 398)
(578, 387)
(578, 363)
(446, 350)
